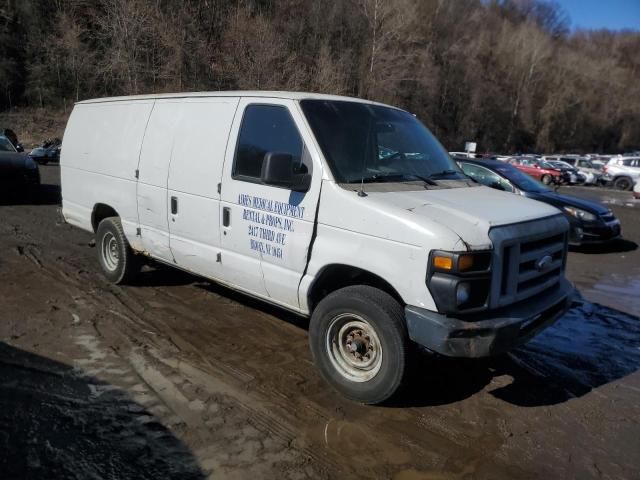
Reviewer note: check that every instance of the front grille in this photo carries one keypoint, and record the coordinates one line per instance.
(529, 257)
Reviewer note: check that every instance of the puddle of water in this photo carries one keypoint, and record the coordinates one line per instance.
(590, 346)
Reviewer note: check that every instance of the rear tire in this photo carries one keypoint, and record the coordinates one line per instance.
(623, 183)
(117, 260)
(359, 343)
(546, 179)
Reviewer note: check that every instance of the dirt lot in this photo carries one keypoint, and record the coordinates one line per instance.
(175, 377)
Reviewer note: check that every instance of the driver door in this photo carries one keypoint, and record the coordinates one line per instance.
(267, 229)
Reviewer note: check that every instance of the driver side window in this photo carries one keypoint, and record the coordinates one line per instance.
(486, 177)
(266, 128)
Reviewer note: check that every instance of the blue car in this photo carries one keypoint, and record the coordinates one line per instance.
(591, 222)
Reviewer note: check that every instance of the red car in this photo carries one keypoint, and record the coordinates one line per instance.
(538, 169)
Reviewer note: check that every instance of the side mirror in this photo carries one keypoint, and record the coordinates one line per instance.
(19, 148)
(278, 170)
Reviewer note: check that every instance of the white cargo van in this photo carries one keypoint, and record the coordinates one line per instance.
(346, 211)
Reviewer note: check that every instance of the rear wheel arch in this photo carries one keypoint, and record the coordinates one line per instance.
(334, 277)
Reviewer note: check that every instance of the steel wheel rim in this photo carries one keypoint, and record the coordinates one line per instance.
(354, 348)
(110, 251)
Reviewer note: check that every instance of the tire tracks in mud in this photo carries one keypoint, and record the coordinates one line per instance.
(144, 353)
(146, 340)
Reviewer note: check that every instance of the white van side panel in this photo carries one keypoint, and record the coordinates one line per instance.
(101, 147)
(198, 154)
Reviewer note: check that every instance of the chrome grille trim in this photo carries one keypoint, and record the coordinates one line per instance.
(517, 249)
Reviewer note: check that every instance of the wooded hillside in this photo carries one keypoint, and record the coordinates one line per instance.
(506, 73)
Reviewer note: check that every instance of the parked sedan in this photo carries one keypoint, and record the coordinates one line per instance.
(590, 169)
(18, 173)
(538, 169)
(590, 222)
(570, 173)
(48, 151)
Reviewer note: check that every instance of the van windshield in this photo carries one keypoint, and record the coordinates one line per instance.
(371, 143)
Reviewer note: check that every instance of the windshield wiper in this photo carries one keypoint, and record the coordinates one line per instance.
(443, 173)
(426, 180)
(395, 177)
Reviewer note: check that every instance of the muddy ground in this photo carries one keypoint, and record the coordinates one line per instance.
(175, 377)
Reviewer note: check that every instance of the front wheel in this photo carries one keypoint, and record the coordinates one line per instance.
(117, 260)
(546, 179)
(359, 343)
(622, 183)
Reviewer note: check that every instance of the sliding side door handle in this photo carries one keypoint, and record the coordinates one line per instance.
(174, 205)
(226, 216)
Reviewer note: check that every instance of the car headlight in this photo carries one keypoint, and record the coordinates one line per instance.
(580, 214)
(459, 281)
(29, 164)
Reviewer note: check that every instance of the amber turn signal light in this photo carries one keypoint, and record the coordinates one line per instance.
(443, 263)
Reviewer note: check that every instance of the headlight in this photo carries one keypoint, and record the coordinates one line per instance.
(29, 164)
(580, 214)
(459, 281)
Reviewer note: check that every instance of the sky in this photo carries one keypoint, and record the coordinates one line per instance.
(595, 14)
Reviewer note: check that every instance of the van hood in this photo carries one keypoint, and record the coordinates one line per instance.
(469, 212)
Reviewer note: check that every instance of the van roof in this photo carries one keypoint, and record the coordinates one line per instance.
(248, 93)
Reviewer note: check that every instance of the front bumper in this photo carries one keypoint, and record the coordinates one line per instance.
(507, 328)
(600, 232)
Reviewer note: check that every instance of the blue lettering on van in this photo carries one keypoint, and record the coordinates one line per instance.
(271, 206)
(269, 223)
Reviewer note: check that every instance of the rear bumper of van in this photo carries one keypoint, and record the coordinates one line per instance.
(492, 334)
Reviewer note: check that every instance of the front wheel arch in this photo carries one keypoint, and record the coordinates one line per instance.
(333, 277)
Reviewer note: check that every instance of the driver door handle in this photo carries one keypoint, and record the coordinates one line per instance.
(174, 205)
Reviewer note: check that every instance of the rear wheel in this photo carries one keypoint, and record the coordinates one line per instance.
(623, 183)
(117, 260)
(547, 179)
(359, 343)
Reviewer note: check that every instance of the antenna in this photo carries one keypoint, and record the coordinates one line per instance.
(361, 192)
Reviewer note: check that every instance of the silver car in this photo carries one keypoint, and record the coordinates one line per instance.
(592, 171)
(622, 172)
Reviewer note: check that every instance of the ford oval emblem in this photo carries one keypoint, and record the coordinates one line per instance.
(544, 263)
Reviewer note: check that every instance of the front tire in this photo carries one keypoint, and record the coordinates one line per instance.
(359, 342)
(117, 260)
(546, 179)
(623, 183)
